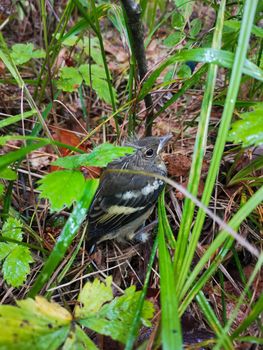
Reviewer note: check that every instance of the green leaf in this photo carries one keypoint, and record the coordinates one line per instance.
(22, 53)
(77, 339)
(102, 90)
(5, 249)
(168, 76)
(12, 228)
(116, 317)
(178, 21)
(93, 296)
(96, 72)
(185, 7)
(62, 188)
(195, 27)
(44, 325)
(16, 266)
(173, 39)
(99, 82)
(69, 79)
(100, 157)
(95, 51)
(35, 324)
(69, 39)
(184, 72)
(248, 130)
(17, 257)
(8, 174)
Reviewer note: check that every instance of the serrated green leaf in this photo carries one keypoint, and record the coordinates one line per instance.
(22, 53)
(17, 258)
(78, 340)
(100, 157)
(35, 324)
(99, 82)
(69, 79)
(248, 130)
(5, 249)
(102, 90)
(185, 7)
(116, 317)
(12, 228)
(93, 296)
(96, 72)
(16, 266)
(62, 188)
(94, 51)
(8, 174)
(173, 39)
(195, 27)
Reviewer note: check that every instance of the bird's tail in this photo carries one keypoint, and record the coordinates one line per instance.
(91, 245)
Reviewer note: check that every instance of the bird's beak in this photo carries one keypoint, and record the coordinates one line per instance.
(163, 142)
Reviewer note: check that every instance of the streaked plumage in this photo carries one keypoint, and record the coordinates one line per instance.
(124, 201)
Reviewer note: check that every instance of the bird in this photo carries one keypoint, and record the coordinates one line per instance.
(123, 200)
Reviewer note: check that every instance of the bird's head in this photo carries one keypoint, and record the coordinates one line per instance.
(149, 148)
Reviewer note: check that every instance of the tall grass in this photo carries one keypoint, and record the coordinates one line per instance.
(181, 283)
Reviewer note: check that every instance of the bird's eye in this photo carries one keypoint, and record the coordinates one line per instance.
(149, 152)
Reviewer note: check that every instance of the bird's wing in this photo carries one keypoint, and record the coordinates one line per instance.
(121, 198)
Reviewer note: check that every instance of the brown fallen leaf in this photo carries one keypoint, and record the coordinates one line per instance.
(40, 159)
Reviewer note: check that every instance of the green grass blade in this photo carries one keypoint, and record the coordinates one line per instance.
(171, 327)
(167, 228)
(241, 300)
(96, 28)
(12, 157)
(66, 267)
(255, 313)
(67, 235)
(133, 332)
(8, 61)
(233, 89)
(194, 79)
(5, 139)
(242, 175)
(181, 269)
(208, 55)
(213, 320)
(16, 118)
(222, 238)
